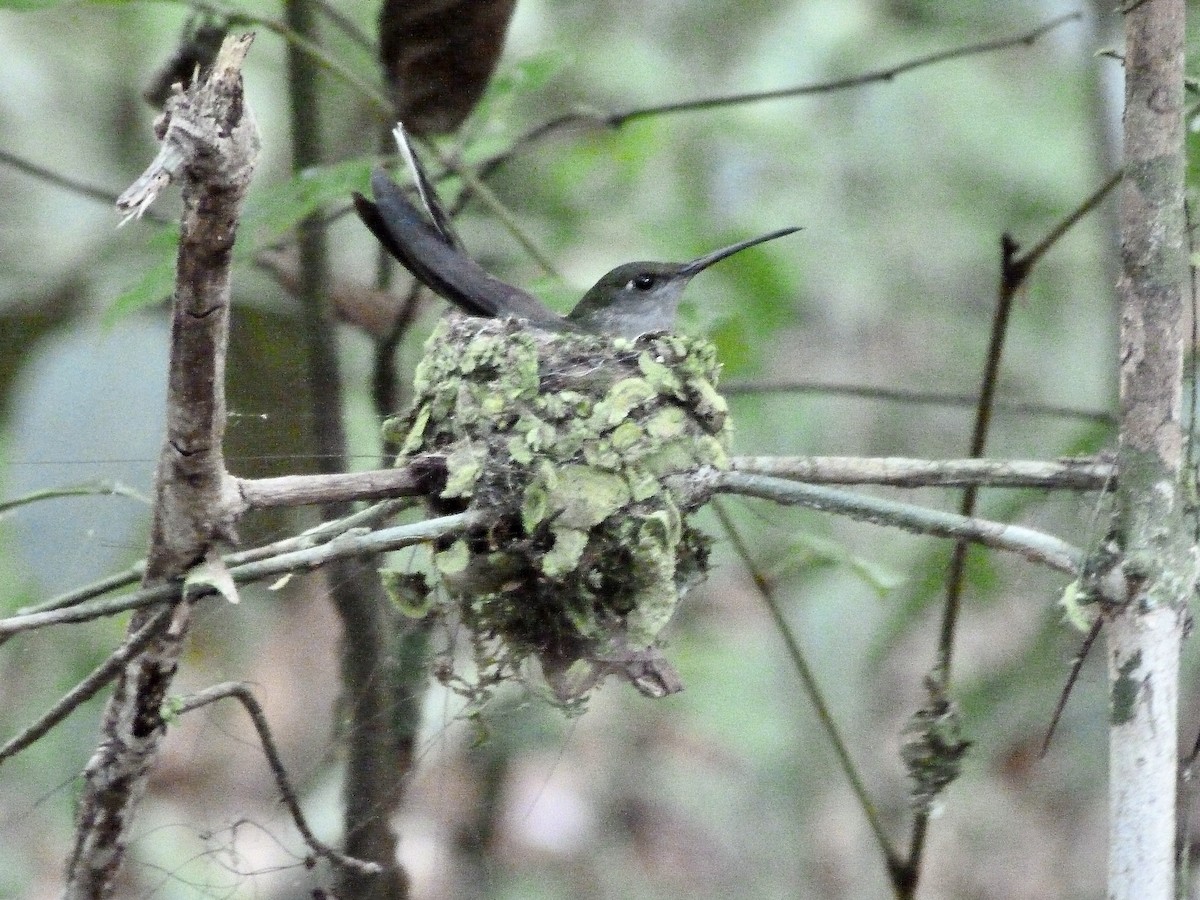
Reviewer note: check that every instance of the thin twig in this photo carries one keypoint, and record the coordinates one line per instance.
(95, 489)
(294, 38)
(74, 185)
(809, 682)
(371, 787)
(301, 560)
(1072, 677)
(616, 120)
(1021, 265)
(346, 25)
(1027, 39)
(318, 534)
(243, 695)
(87, 592)
(1015, 268)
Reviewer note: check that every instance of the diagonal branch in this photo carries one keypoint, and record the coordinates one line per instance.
(89, 687)
(616, 120)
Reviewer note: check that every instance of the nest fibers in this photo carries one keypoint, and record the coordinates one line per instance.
(568, 441)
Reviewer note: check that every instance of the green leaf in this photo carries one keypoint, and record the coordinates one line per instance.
(274, 211)
(157, 282)
(584, 497)
(1078, 606)
(453, 560)
(408, 587)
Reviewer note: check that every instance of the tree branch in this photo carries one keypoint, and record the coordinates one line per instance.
(1034, 546)
(734, 387)
(351, 544)
(89, 687)
(243, 695)
(1068, 474)
(210, 143)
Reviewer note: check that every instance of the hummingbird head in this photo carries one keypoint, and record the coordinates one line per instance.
(639, 297)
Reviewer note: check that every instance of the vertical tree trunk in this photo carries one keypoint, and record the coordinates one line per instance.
(1146, 610)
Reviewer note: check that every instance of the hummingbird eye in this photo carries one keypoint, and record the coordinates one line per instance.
(643, 281)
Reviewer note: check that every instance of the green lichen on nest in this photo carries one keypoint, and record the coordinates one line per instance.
(565, 439)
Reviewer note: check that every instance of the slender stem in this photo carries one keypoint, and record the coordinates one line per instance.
(298, 560)
(809, 682)
(258, 718)
(1069, 475)
(888, 74)
(370, 790)
(1015, 268)
(89, 687)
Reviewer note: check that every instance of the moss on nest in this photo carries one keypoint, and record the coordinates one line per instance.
(565, 439)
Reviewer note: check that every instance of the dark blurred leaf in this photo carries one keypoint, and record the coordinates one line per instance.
(437, 57)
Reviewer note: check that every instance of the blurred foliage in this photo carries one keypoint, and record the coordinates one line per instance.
(903, 189)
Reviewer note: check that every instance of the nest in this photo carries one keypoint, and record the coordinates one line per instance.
(572, 444)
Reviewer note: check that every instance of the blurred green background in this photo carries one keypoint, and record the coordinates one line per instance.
(729, 789)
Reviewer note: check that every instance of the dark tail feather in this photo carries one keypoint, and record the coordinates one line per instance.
(427, 253)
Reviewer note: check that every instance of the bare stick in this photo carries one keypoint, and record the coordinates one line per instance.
(302, 490)
(738, 386)
(1072, 677)
(816, 696)
(616, 120)
(351, 544)
(825, 87)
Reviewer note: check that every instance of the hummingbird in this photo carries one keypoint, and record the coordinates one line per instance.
(631, 300)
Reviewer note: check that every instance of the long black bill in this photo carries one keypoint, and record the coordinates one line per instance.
(699, 265)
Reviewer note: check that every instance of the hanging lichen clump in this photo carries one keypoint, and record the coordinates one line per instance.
(568, 442)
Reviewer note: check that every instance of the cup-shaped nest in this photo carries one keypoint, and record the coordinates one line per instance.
(577, 447)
